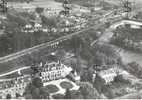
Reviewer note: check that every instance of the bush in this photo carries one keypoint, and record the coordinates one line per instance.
(120, 78)
(134, 69)
(127, 38)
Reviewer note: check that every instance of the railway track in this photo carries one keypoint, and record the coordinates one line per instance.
(44, 45)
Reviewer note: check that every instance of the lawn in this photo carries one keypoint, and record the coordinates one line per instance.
(52, 88)
(66, 85)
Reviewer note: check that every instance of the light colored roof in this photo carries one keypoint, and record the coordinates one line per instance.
(108, 75)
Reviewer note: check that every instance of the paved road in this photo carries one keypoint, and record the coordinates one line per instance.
(16, 70)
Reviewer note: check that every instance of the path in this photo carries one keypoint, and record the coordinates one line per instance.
(16, 70)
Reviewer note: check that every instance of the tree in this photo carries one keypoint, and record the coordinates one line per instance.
(60, 54)
(108, 50)
(39, 10)
(78, 95)
(76, 45)
(16, 18)
(134, 69)
(58, 96)
(17, 95)
(120, 78)
(50, 22)
(99, 83)
(67, 94)
(37, 82)
(44, 94)
(86, 75)
(8, 96)
(35, 90)
(88, 91)
(28, 96)
(106, 54)
(36, 93)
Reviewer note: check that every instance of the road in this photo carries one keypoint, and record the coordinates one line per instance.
(16, 70)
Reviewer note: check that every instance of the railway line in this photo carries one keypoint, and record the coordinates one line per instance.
(44, 45)
(51, 43)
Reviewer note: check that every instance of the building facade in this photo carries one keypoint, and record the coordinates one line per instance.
(54, 71)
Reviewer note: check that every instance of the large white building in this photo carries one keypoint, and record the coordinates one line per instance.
(109, 75)
(54, 71)
(50, 71)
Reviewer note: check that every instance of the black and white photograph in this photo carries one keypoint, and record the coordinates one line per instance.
(70, 49)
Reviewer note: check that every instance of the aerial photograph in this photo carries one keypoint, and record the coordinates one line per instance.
(70, 49)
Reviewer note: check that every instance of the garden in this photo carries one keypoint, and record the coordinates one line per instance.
(52, 88)
(66, 85)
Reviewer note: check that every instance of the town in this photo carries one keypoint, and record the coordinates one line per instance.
(70, 49)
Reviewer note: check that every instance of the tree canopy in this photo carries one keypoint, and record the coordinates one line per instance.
(35, 90)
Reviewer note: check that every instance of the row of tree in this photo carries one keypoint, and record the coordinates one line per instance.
(127, 38)
(15, 40)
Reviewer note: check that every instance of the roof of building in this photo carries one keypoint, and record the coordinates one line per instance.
(109, 74)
